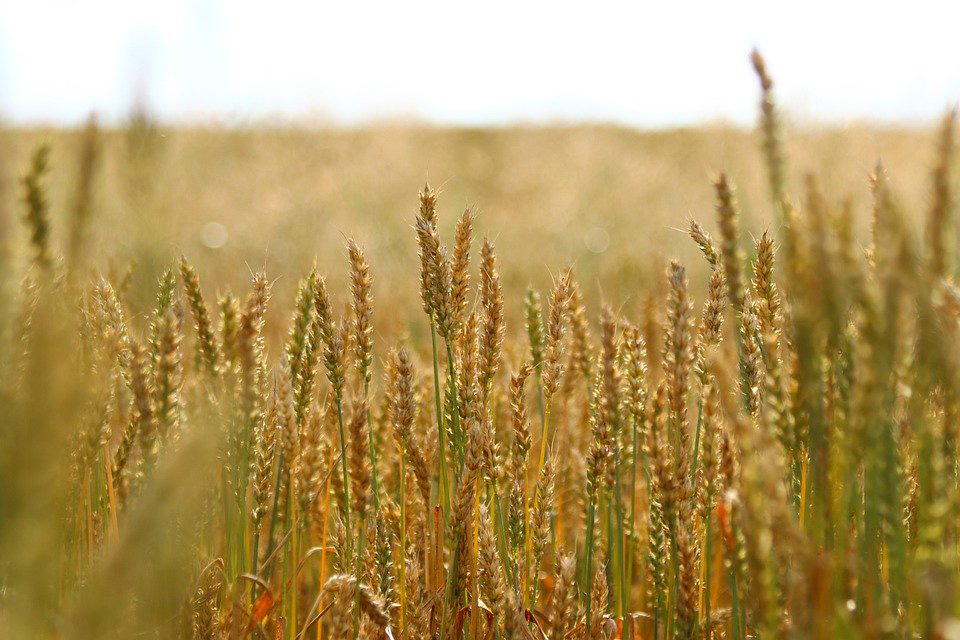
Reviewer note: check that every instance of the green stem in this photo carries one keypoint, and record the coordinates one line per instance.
(528, 543)
(346, 479)
(588, 587)
(633, 521)
(734, 598)
(374, 475)
(455, 415)
(292, 559)
(255, 552)
(276, 503)
(449, 601)
(442, 454)
(696, 439)
(403, 541)
(361, 540)
(612, 559)
(675, 563)
(616, 503)
(493, 496)
(708, 558)
(503, 544)
(227, 525)
(533, 594)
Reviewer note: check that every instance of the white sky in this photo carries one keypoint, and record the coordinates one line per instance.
(647, 63)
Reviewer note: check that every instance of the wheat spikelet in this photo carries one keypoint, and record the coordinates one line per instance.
(492, 580)
(519, 453)
(770, 130)
(428, 215)
(611, 384)
(677, 365)
(600, 453)
(564, 607)
(556, 326)
(168, 375)
(88, 163)
(711, 324)
(359, 457)
(401, 396)
(36, 215)
(362, 307)
(705, 242)
(207, 354)
(752, 382)
(600, 628)
(311, 459)
(658, 447)
(346, 589)
(543, 511)
(251, 351)
(491, 299)
(265, 438)
(635, 376)
(289, 437)
(334, 340)
(534, 318)
(728, 219)
(403, 413)
(298, 345)
(469, 401)
(436, 281)
(709, 470)
(229, 330)
(460, 268)
(120, 468)
(763, 286)
(143, 395)
(203, 604)
(461, 514)
(581, 349)
(113, 319)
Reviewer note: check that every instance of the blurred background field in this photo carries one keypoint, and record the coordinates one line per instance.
(181, 395)
(607, 199)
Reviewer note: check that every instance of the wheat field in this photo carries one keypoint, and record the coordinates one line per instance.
(554, 383)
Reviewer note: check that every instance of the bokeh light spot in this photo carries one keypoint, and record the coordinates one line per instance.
(213, 235)
(596, 239)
